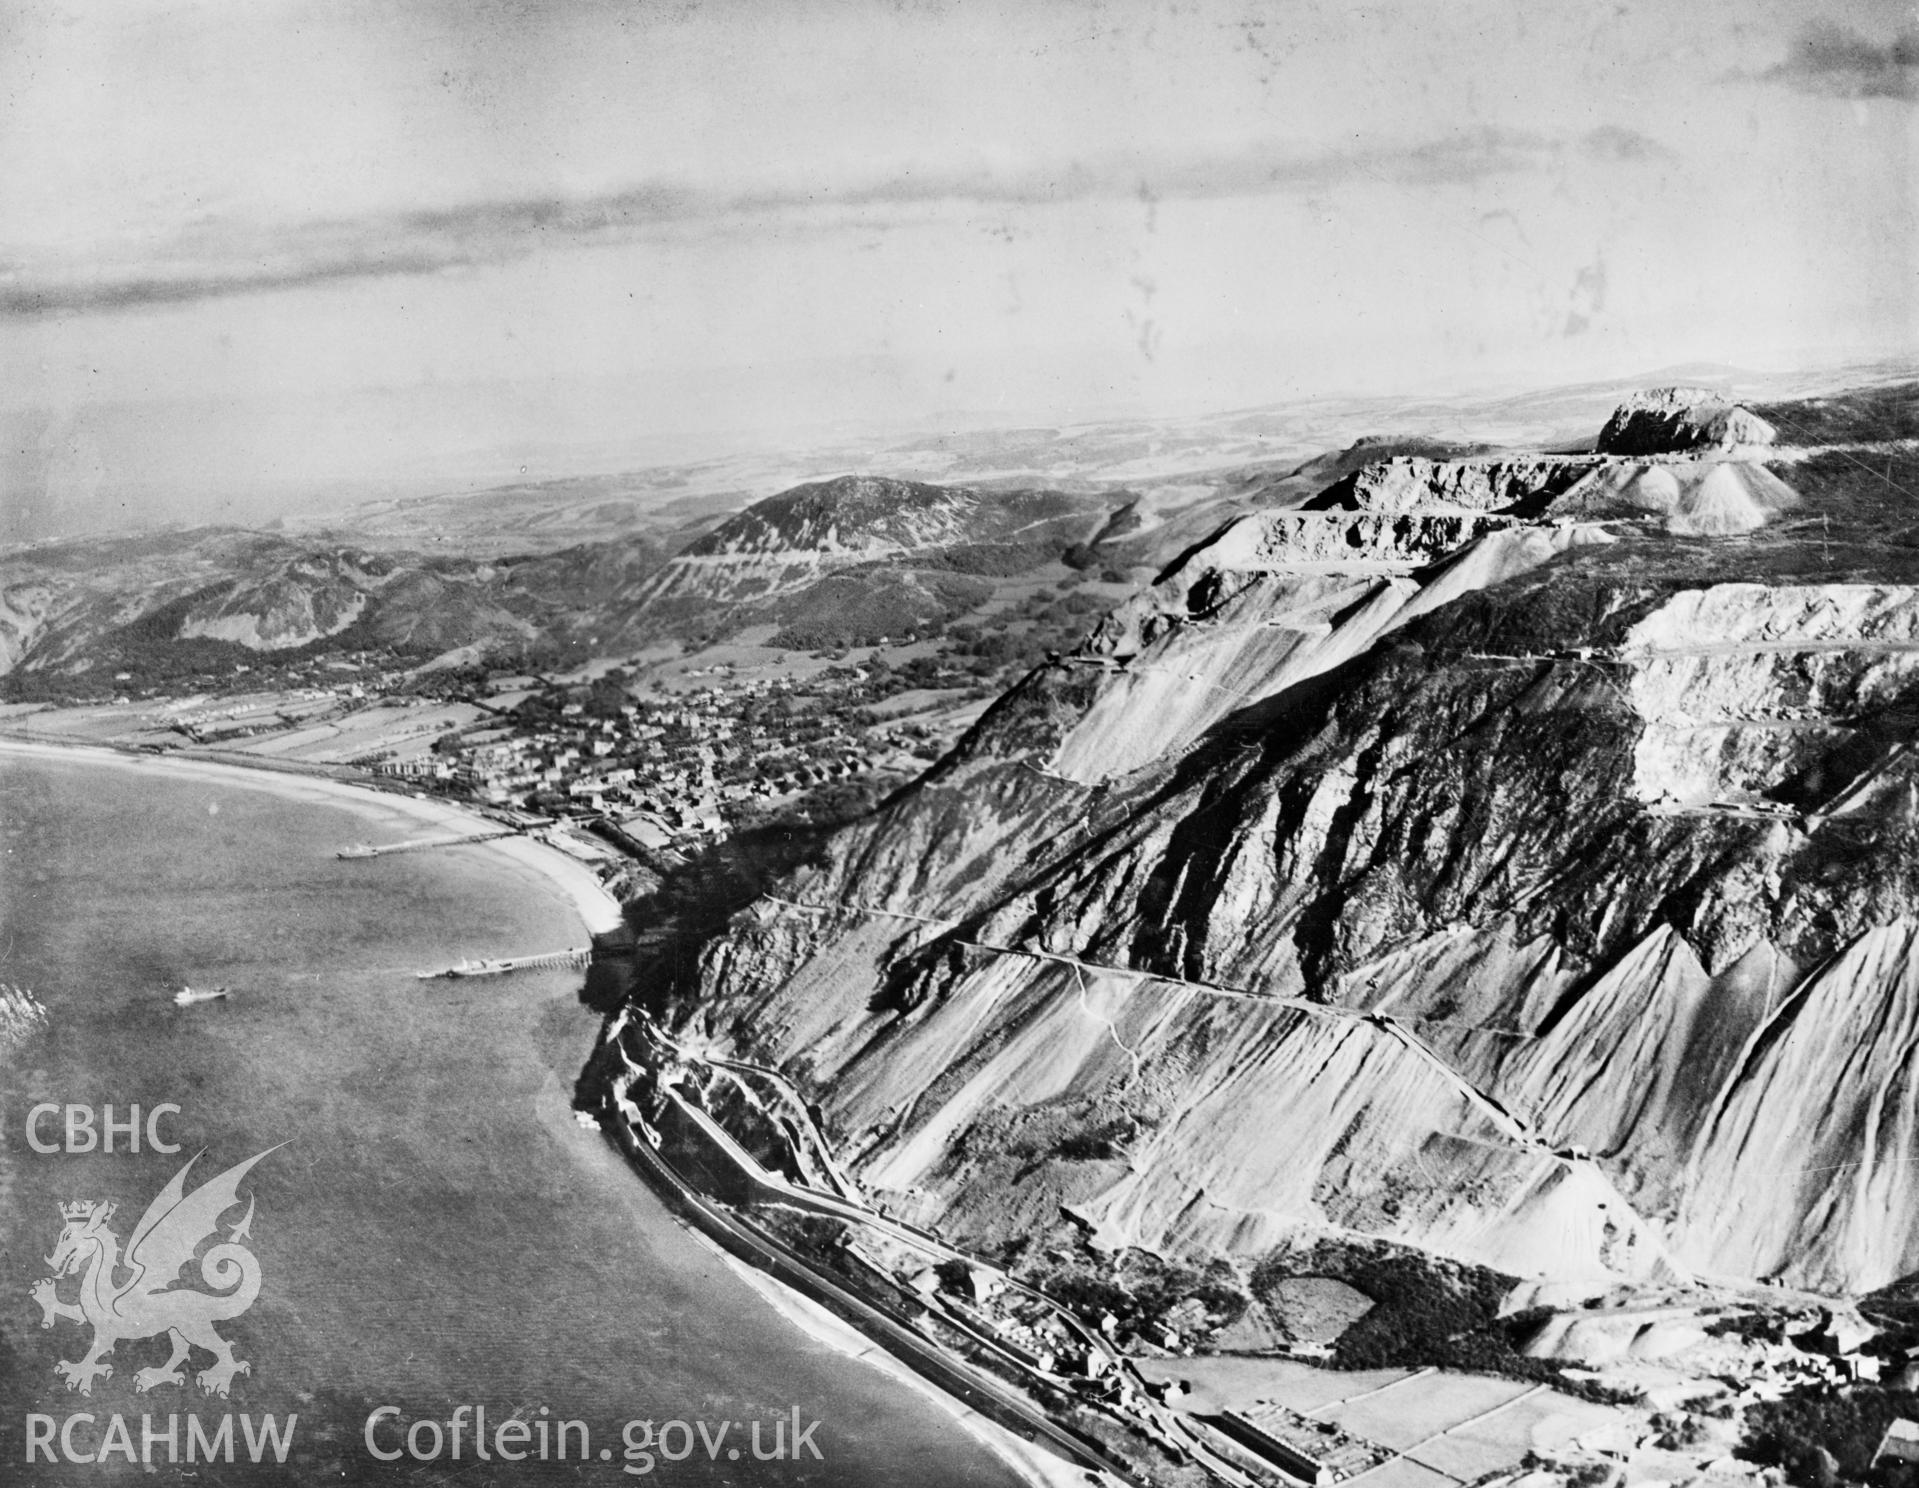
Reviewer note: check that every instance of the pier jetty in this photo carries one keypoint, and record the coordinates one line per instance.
(421, 844)
(571, 959)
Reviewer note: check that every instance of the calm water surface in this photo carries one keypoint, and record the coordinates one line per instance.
(436, 1231)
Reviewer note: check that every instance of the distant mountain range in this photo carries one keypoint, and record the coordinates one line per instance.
(678, 556)
(193, 605)
(848, 561)
(1497, 851)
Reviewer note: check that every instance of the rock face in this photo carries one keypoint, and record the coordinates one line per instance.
(1414, 483)
(829, 564)
(862, 515)
(787, 542)
(1679, 420)
(23, 612)
(310, 597)
(102, 606)
(1540, 893)
(1257, 612)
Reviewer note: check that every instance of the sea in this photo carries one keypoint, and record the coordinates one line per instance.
(436, 1236)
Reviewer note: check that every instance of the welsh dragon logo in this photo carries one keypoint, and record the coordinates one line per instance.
(135, 1295)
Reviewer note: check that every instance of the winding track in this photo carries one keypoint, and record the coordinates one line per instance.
(1170, 1426)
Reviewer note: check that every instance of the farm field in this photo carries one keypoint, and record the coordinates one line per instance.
(1449, 1428)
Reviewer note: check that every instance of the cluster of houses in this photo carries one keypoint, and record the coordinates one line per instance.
(664, 769)
(977, 1299)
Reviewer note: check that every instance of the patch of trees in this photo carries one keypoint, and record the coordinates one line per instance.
(867, 607)
(1426, 1311)
(605, 695)
(1142, 1288)
(152, 659)
(1844, 1430)
(21, 686)
(1748, 1327)
(986, 652)
(925, 671)
(990, 560)
(542, 710)
(1070, 609)
(454, 681)
(157, 658)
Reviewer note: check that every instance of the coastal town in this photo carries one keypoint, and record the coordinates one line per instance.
(1168, 744)
(678, 768)
(676, 747)
(673, 763)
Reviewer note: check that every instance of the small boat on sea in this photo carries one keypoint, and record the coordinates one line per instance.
(186, 996)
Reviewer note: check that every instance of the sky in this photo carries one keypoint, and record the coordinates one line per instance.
(257, 256)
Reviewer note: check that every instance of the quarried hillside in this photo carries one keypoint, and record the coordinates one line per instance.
(1527, 878)
(850, 560)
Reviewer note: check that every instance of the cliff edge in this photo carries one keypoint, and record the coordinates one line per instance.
(1526, 878)
(1675, 420)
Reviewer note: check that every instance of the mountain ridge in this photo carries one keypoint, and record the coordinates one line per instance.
(1424, 779)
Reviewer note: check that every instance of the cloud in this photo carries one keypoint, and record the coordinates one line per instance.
(213, 259)
(1453, 159)
(1840, 62)
(216, 258)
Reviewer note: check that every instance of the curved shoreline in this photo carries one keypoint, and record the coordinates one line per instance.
(1037, 1465)
(598, 911)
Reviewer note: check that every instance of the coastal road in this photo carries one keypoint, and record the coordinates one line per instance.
(758, 1248)
(767, 1186)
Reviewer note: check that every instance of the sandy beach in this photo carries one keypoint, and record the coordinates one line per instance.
(1037, 1465)
(391, 816)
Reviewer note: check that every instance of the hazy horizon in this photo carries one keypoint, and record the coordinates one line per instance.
(260, 258)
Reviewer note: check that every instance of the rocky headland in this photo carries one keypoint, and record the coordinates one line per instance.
(1507, 858)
